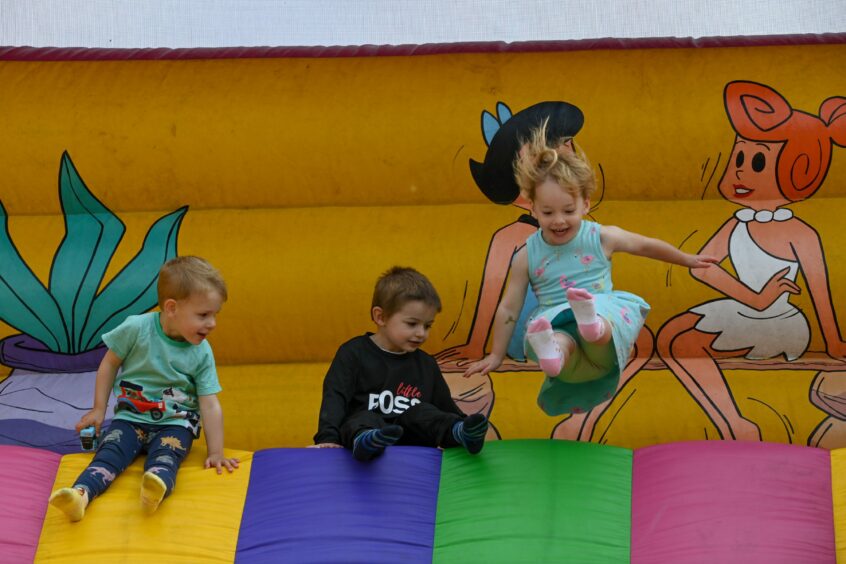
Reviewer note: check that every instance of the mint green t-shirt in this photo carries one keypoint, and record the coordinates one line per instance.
(160, 379)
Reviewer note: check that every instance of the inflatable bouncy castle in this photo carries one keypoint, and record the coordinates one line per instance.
(304, 173)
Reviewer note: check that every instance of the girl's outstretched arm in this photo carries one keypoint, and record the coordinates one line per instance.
(615, 239)
(507, 314)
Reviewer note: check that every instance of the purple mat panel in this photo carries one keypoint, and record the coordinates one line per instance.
(321, 505)
(727, 502)
(28, 433)
(28, 475)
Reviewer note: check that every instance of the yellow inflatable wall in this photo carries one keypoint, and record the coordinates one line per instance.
(305, 178)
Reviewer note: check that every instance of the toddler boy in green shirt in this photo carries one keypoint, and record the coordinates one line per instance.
(167, 385)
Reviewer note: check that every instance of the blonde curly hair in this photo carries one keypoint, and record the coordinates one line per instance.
(539, 160)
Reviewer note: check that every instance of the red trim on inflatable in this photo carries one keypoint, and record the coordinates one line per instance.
(89, 54)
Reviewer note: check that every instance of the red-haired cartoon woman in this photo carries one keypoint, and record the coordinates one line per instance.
(780, 156)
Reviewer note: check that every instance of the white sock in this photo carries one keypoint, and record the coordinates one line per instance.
(542, 339)
(591, 326)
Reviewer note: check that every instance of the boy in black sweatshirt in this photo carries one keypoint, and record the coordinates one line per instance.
(381, 389)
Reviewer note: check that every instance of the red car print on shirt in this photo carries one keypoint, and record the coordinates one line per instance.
(132, 399)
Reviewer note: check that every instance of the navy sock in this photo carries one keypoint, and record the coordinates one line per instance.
(372, 442)
(470, 432)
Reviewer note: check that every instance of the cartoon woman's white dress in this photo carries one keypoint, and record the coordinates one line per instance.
(779, 329)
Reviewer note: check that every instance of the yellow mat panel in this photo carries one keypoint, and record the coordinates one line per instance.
(199, 522)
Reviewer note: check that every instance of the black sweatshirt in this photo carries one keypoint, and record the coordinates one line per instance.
(364, 377)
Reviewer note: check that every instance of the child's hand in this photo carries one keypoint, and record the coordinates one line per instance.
(490, 362)
(218, 460)
(325, 445)
(94, 417)
(702, 261)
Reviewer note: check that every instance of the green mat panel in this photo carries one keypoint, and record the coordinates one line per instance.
(535, 501)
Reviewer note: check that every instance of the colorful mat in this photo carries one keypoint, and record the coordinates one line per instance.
(519, 501)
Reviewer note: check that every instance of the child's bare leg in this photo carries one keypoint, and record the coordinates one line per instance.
(580, 426)
(592, 328)
(71, 501)
(552, 348)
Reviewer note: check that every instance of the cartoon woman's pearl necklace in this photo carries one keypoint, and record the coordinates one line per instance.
(763, 216)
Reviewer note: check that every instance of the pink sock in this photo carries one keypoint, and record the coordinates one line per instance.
(591, 326)
(540, 336)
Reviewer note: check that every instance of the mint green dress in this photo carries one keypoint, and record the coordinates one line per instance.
(586, 380)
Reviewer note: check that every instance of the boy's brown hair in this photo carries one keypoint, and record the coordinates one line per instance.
(400, 285)
(181, 276)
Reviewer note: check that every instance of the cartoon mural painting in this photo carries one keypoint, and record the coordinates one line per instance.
(55, 356)
(504, 134)
(828, 393)
(780, 156)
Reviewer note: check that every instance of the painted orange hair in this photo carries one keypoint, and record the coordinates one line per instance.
(759, 113)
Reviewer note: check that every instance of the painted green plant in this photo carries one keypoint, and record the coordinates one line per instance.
(72, 312)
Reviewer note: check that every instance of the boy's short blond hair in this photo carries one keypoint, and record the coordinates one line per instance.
(182, 276)
(538, 161)
(400, 285)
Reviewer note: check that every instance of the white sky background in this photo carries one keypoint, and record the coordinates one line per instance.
(252, 23)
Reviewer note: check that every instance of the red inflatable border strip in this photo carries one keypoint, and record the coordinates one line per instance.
(98, 54)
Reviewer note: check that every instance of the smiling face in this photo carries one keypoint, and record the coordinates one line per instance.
(559, 212)
(191, 319)
(406, 329)
(750, 176)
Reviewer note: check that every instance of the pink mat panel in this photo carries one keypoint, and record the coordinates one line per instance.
(27, 475)
(715, 501)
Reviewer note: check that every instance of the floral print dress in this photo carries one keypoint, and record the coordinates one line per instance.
(588, 379)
